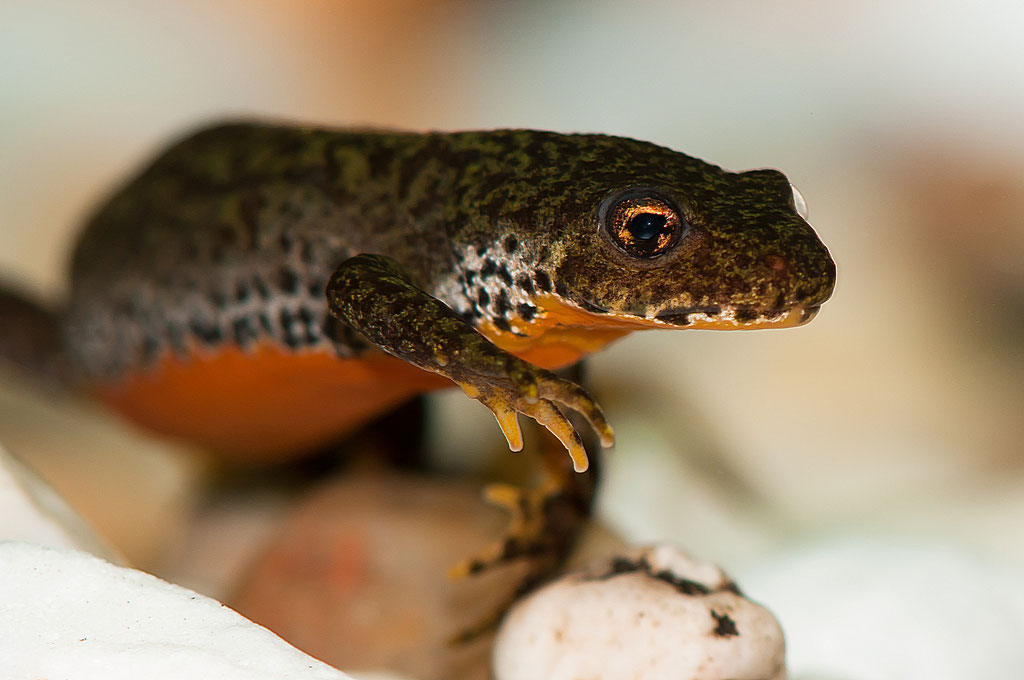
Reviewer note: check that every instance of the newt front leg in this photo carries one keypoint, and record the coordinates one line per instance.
(373, 295)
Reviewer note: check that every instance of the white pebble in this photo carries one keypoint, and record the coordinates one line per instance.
(653, 614)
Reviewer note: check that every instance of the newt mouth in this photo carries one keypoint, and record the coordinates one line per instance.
(716, 318)
(738, 318)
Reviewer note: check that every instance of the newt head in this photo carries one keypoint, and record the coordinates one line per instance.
(613, 235)
(733, 251)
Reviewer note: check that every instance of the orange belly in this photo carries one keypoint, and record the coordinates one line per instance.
(265, 405)
(272, 403)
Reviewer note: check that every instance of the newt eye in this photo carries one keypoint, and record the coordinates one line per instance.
(644, 226)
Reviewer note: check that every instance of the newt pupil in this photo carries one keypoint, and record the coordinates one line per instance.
(646, 226)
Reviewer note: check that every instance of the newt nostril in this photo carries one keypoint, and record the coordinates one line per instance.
(780, 275)
(777, 263)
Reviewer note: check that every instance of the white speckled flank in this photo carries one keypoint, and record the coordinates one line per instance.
(496, 283)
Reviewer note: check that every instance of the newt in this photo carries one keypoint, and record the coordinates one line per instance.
(264, 289)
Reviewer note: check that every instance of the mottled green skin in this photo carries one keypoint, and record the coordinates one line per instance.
(244, 218)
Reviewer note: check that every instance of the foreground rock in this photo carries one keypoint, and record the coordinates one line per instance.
(652, 614)
(67, 614)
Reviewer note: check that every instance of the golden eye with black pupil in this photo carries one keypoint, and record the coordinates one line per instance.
(644, 226)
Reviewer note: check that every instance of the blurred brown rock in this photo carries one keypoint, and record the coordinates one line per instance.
(356, 576)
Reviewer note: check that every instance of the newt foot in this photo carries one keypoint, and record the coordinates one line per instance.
(542, 529)
(537, 393)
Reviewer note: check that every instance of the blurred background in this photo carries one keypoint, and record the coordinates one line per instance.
(893, 423)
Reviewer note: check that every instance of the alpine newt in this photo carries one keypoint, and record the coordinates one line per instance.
(264, 289)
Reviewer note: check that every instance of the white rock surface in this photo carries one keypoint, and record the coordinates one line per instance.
(861, 607)
(30, 510)
(67, 615)
(653, 614)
